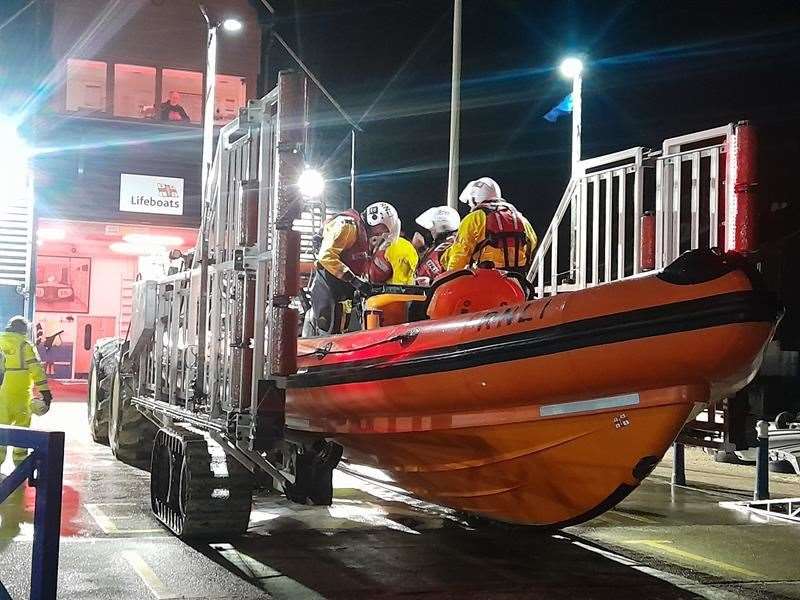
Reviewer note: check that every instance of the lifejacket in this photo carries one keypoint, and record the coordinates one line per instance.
(357, 257)
(430, 265)
(505, 230)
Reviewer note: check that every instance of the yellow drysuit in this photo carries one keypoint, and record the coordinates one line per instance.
(22, 370)
(403, 257)
(472, 232)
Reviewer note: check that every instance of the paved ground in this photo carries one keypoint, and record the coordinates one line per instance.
(660, 543)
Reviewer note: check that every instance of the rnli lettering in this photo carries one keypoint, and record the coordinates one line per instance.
(508, 316)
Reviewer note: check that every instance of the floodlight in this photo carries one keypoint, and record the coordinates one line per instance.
(311, 183)
(232, 25)
(571, 67)
(14, 154)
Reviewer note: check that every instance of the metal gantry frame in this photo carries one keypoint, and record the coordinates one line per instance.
(224, 330)
(608, 197)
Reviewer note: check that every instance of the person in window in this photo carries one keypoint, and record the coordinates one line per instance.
(171, 110)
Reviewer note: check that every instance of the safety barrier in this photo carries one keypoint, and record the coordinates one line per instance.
(637, 209)
(43, 469)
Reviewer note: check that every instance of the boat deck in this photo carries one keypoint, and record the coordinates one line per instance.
(659, 543)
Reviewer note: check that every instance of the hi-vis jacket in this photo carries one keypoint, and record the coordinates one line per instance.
(403, 257)
(22, 369)
(472, 233)
(344, 250)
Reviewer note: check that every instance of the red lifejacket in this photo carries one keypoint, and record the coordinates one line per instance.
(357, 257)
(430, 265)
(505, 229)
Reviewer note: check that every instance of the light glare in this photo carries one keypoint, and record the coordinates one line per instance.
(232, 25)
(571, 67)
(153, 240)
(137, 249)
(311, 183)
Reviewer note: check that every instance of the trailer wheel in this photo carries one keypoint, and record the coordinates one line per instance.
(196, 490)
(97, 406)
(130, 433)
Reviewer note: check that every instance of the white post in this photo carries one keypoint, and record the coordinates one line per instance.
(455, 109)
(209, 108)
(576, 123)
(352, 168)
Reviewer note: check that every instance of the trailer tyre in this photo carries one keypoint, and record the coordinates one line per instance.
(97, 406)
(130, 433)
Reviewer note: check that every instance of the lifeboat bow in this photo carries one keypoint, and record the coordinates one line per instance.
(542, 412)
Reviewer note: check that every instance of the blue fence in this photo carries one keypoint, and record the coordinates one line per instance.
(44, 470)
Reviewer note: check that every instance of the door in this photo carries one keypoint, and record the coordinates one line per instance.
(89, 330)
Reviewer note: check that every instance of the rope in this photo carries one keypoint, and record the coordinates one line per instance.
(326, 350)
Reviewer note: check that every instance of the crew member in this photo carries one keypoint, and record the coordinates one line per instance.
(493, 232)
(402, 258)
(22, 370)
(441, 223)
(346, 262)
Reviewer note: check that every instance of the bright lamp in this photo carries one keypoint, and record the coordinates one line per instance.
(232, 25)
(571, 67)
(311, 183)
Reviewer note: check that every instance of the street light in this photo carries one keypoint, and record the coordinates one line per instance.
(231, 25)
(572, 68)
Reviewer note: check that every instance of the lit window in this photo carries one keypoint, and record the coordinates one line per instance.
(86, 85)
(230, 97)
(185, 88)
(134, 91)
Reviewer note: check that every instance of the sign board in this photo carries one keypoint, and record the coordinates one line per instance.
(151, 194)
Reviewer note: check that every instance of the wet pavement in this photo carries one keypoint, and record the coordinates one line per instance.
(662, 542)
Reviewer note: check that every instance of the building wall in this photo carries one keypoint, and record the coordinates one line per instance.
(167, 33)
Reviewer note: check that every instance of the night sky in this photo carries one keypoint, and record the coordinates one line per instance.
(654, 70)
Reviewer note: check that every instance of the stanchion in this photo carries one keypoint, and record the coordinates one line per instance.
(678, 466)
(762, 462)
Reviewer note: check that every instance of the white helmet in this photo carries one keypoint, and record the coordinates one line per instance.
(439, 220)
(381, 213)
(479, 191)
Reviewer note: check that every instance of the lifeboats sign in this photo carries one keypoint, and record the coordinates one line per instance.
(151, 194)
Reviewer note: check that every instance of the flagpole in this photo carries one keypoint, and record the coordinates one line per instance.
(455, 109)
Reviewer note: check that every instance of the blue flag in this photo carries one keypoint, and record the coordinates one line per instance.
(559, 110)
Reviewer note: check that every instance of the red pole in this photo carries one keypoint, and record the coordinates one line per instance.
(741, 214)
(647, 243)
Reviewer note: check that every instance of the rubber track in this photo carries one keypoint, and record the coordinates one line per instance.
(211, 495)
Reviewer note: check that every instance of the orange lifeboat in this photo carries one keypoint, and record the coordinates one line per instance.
(542, 412)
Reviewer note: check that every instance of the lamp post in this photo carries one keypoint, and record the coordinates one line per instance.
(571, 68)
(455, 109)
(231, 25)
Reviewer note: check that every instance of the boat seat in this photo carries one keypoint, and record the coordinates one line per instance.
(389, 309)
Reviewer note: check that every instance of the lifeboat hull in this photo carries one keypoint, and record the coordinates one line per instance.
(544, 413)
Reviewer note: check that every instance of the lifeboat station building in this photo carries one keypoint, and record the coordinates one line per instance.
(116, 178)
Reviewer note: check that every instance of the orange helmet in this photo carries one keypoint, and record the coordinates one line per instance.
(474, 291)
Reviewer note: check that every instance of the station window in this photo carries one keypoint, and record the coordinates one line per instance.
(189, 87)
(231, 94)
(86, 85)
(134, 91)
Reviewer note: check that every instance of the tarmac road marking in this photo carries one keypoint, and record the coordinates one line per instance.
(148, 576)
(108, 526)
(668, 547)
(634, 517)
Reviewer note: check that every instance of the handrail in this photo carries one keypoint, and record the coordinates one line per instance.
(44, 470)
(638, 209)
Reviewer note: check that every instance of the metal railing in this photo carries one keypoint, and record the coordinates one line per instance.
(43, 469)
(637, 209)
